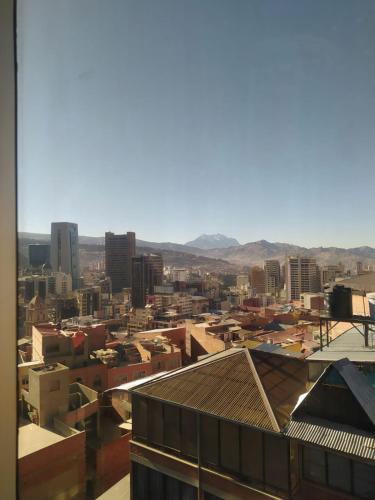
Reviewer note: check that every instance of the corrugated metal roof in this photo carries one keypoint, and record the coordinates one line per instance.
(283, 378)
(255, 388)
(341, 438)
(225, 387)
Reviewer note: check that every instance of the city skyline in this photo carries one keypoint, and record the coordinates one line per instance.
(255, 120)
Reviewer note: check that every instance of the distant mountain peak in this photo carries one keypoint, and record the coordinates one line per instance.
(210, 241)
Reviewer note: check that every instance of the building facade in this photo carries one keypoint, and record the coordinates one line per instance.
(119, 251)
(302, 275)
(65, 250)
(272, 276)
(147, 273)
(39, 255)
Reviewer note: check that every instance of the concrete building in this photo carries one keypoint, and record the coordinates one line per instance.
(312, 300)
(178, 274)
(65, 250)
(141, 319)
(119, 252)
(302, 275)
(39, 254)
(199, 305)
(242, 281)
(89, 301)
(147, 273)
(235, 426)
(36, 312)
(258, 279)
(272, 276)
(63, 283)
(328, 274)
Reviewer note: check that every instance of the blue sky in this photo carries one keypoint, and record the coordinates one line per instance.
(253, 118)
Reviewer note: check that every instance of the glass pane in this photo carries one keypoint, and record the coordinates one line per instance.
(139, 407)
(314, 465)
(338, 472)
(364, 480)
(229, 446)
(209, 440)
(155, 410)
(251, 453)
(172, 427)
(189, 433)
(276, 461)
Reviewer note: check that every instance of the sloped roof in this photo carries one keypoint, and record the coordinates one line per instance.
(359, 385)
(343, 438)
(254, 388)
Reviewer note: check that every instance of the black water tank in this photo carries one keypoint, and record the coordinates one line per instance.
(339, 302)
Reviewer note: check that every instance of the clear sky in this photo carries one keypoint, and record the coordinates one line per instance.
(253, 118)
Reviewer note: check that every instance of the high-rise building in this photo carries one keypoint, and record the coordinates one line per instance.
(38, 255)
(64, 249)
(147, 273)
(302, 275)
(257, 279)
(119, 251)
(272, 276)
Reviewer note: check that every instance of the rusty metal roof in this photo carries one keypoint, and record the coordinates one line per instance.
(341, 438)
(238, 385)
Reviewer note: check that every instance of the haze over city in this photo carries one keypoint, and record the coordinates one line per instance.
(172, 119)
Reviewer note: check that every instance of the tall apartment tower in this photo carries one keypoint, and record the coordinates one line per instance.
(272, 276)
(64, 250)
(147, 273)
(302, 275)
(257, 279)
(119, 251)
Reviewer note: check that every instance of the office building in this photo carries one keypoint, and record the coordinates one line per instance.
(257, 279)
(39, 255)
(89, 301)
(235, 425)
(119, 251)
(302, 275)
(64, 250)
(147, 273)
(272, 276)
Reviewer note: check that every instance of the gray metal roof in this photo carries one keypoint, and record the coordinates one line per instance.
(349, 344)
(341, 438)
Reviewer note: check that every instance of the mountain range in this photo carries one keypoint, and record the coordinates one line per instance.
(232, 257)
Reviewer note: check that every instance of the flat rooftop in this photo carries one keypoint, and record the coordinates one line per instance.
(349, 344)
(32, 438)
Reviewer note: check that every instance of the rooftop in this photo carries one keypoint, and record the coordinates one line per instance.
(32, 438)
(237, 384)
(349, 344)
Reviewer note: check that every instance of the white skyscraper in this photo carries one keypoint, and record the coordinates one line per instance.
(64, 249)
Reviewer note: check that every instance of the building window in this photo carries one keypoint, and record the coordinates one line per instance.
(276, 461)
(230, 446)
(155, 422)
(364, 480)
(54, 385)
(172, 427)
(50, 349)
(139, 407)
(188, 433)
(314, 467)
(252, 454)
(339, 472)
(209, 439)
